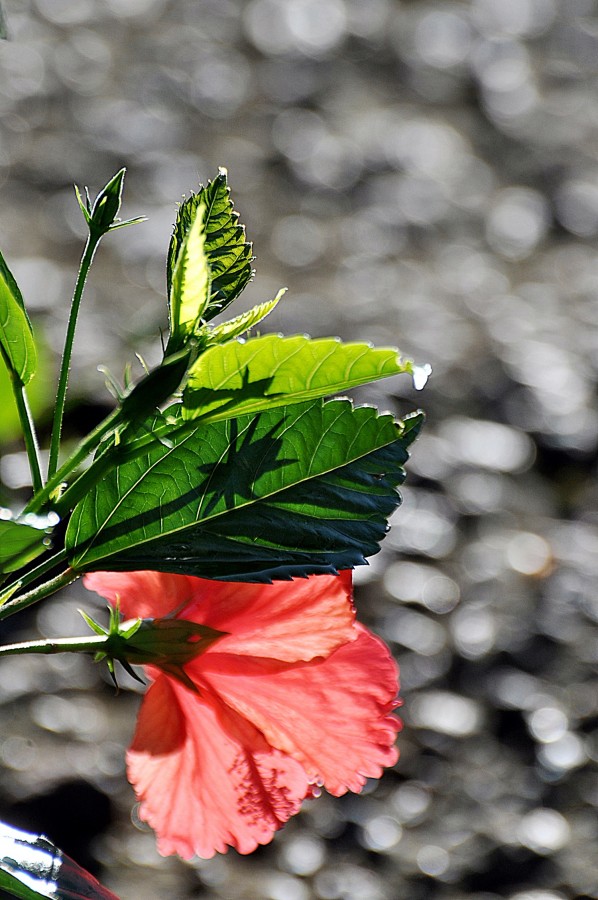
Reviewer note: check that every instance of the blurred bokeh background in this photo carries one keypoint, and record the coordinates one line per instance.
(418, 173)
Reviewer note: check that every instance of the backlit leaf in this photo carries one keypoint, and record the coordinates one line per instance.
(233, 328)
(16, 335)
(272, 370)
(228, 254)
(190, 288)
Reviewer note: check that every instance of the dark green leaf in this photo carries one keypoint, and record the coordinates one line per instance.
(295, 490)
(31, 867)
(16, 334)
(19, 544)
(155, 388)
(3, 30)
(242, 377)
(228, 253)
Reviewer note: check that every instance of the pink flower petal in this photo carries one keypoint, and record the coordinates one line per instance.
(142, 595)
(295, 693)
(206, 779)
(286, 620)
(333, 715)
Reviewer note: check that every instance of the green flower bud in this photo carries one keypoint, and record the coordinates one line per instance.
(101, 217)
(107, 204)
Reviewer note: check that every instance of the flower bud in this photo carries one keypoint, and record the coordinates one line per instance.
(101, 217)
(107, 204)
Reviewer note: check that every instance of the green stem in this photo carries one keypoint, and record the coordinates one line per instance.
(86, 260)
(39, 593)
(79, 455)
(89, 644)
(29, 435)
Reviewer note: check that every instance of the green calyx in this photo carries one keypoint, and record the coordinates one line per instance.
(163, 642)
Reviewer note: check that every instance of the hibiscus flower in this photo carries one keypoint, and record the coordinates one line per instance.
(294, 695)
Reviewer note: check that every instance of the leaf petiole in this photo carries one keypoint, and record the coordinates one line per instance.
(29, 434)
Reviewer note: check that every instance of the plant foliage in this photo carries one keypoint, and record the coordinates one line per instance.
(233, 459)
(228, 255)
(16, 335)
(229, 460)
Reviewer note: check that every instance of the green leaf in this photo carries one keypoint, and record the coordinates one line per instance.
(3, 29)
(263, 372)
(40, 392)
(228, 253)
(16, 334)
(232, 328)
(31, 866)
(292, 491)
(19, 544)
(154, 388)
(190, 289)
(16, 888)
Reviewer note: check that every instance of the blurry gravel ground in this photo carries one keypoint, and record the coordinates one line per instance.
(422, 174)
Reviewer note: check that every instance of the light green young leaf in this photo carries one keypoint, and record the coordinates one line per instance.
(263, 372)
(16, 335)
(228, 253)
(233, 328)
(190, 287)
(31, 867)
(292, 491)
